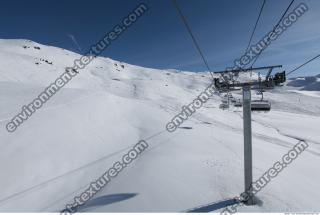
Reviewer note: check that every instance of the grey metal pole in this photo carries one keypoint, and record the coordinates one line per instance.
(247, 133)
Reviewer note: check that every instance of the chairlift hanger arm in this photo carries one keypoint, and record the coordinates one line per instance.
(269, 73)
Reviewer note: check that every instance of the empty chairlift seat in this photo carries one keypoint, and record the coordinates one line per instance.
(224, 106)
(238, 103)
(260, 105)
(233, 100)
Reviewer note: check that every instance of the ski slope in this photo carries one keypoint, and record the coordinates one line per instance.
(112, 105)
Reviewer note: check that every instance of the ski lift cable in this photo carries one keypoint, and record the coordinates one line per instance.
(255, 26)
(268, 38)
(32, 188)
(74, 192)
(186, 24)
(44, 183)
(103, 158)
(295, 69)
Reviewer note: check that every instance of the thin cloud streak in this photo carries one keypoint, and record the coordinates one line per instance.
(72, 37)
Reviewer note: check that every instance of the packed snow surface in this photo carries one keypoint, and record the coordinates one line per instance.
(111, 105)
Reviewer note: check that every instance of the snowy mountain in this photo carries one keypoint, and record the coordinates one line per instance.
(111, 105)
(311, 83)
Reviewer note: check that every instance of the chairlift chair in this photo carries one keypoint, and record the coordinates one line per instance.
(260, 105)
(224, 106)
(238, 103)
(224, 101)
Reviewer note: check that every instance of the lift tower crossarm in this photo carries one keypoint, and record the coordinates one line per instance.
(248, 69)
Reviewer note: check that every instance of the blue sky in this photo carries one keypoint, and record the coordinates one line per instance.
(159, 39)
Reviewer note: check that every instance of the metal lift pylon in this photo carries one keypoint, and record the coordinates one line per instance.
(246, 87)
(247, 140)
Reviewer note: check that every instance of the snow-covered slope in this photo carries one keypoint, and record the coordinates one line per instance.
(112, 105)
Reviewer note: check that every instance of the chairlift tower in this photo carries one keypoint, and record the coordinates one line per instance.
(230, 85)
(247, 139)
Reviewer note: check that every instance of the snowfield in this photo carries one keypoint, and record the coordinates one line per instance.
(112, 105)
